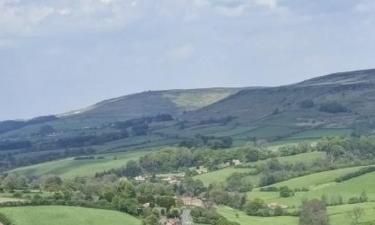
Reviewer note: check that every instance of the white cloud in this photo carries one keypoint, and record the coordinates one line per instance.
(26, 17)
(271, 4)
(179, 53)
(19, 19)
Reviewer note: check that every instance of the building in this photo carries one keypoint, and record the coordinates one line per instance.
(236, 162)
(202, 170)
(140, 178)
(190, 201)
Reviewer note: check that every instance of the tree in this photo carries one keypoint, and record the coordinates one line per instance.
(252, 155)
(192, 187)
(355, 215)
(334, 152)
(166, 201)
(52, 183)
(151, 220)
(363, 197)
(13, 182)
(46, 130)
(286, 192)
(314, 212)
(174, 213)
(307, 104)
(140, 130)
(236, 183)
(126, 189)
(132, 169)
(254, 206)
(332, 107)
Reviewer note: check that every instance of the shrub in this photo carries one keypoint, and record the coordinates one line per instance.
(307, 104)
(356, 174)
(332, 107)
(286, 192)
(314, 212)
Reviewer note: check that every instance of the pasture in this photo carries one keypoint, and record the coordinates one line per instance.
(222, 174)
(63, 215)
(322, 184)
(338, 215)
(70, 168)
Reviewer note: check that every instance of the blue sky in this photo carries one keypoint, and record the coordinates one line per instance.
(60, 55)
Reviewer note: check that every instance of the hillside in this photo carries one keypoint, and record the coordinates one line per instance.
(342, 100)
(173, 102)
(337, 104)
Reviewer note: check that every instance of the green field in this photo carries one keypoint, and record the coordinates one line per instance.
(338, 215)
(222, 174)
(318, 133)
(313, 181)
(69, 168)
(63, 215)
(219, 175)
(322, 184)
(244, 219)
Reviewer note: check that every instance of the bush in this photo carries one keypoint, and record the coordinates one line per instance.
(286, 192)
(354, 200)
(356, 174)
(314, 212)
(332, 107)
(307, 104)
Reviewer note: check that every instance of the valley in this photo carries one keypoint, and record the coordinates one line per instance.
(287, 155)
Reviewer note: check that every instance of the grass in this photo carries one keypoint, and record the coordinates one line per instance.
(338, 215)
(195, 99)
(222, 174)
(315, 180)
(318, 133)
(219, 175)
(307, 158)
(63, 215)
(244, 219)
(70, 168)
(322, 184)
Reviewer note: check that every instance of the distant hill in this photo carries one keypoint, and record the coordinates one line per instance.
(342, 100)
(337, 104)
(173, 102)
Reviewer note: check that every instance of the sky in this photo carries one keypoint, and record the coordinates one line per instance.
(61, 55)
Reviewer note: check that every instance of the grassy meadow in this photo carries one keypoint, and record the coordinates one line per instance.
(321, 184)
(63, 215)
(222, 174)
(338, 215)
(70, 168)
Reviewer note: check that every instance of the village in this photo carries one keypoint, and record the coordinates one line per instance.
(186, 201)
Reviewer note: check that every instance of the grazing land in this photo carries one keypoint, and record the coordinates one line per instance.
(222, 174)
(70, 168)
(244, 219)
(61, 215)
(338, 215)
